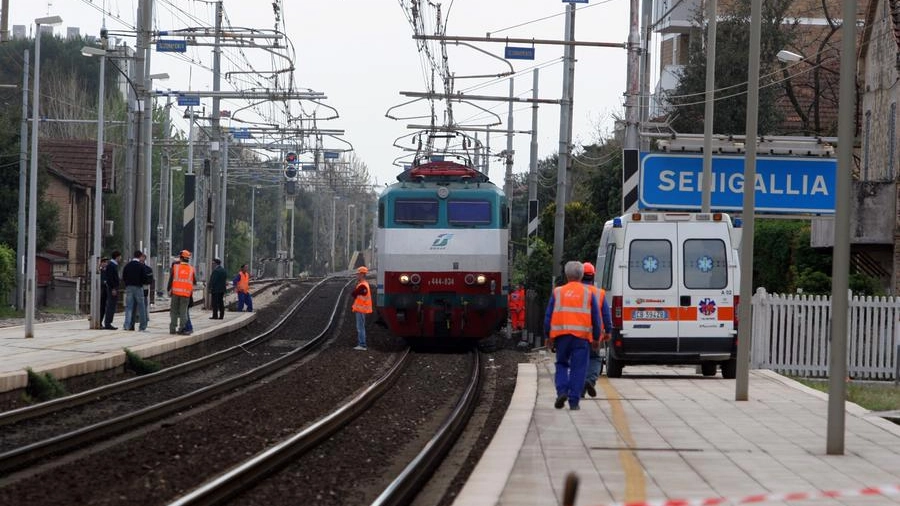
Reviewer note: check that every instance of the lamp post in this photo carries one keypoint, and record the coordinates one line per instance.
(98, 188)
(32, 190)
(148, 173)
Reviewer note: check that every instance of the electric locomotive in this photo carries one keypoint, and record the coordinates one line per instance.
(441, 246)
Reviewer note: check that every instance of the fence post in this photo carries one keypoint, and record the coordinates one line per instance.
(897, 366)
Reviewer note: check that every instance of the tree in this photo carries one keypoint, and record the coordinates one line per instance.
(732, 41)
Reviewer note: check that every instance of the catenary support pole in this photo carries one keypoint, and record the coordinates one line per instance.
(563, 162)
(840, 270)
(709, 110)
(98, 201)
(745, 334)
(23, 187)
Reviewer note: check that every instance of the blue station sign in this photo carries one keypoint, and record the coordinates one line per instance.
(241, 133)
(791, 185)
(186, 100)
(519, 53)
(332, 155)
(171, 46)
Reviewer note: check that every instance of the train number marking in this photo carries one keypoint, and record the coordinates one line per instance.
(441, 282)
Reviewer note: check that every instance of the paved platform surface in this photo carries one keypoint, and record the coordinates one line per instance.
(70, 348)
(664, 433)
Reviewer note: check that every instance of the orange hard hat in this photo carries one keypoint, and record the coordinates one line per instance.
(362, 270)
(589, 269)
(185, 254)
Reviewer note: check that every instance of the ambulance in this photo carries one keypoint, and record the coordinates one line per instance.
(673, 282)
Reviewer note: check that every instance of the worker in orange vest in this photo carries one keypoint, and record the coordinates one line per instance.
(517, 308)
(362, 305)
(241, 284)
(595, 363)
(572, 327)
(181, 289)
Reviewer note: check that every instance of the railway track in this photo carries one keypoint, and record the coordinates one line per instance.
(54, 427)
(400, 490)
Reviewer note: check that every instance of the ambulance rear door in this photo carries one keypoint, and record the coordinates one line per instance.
(650, 292)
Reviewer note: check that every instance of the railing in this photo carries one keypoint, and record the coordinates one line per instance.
(792, 333)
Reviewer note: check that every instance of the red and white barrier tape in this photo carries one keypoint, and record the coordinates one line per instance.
(883, 490)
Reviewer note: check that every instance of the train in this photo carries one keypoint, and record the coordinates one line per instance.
(441, 245)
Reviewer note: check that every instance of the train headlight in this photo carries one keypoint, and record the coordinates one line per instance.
(481, 279)
(415, 279)
(404, 279)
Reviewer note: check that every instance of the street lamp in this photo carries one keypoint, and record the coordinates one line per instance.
(98, 188)
(32, 190)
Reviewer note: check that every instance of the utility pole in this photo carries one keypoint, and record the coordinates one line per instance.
(709, 111)
(223, 196)
(130, 150)
(646, 15)
(216, 180)
(630, 155)
(532, 168)
(252, 224)
(564, 143)
(163, 242)
(23, 161)
(147, 128)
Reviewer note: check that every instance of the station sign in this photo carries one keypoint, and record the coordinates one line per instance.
(784, 184)
(188, 100)
(241, 133)
(519, 53)
(332, 155)
(308, 166)
(171, 46)
(575, 1)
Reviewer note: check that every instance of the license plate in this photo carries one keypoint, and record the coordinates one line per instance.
(649, 315)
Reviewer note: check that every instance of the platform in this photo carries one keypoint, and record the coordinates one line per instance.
(664, 433)
(71, 348)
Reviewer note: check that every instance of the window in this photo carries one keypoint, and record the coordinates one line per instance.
(705, 264)
(650, 264)
(381, 214)
(608, 264)
(468, 213)
(416, 211)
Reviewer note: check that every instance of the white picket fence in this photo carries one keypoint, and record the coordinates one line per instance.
(791, 335)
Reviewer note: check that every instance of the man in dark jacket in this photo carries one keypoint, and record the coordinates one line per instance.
(217, 285)
(133, 277)
(112, 289)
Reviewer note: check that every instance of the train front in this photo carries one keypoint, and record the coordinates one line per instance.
(441, 244)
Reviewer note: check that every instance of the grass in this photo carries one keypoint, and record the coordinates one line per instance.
(42, 387)
(58, 310)
(140, 366)
(9, 312)
(873, 396)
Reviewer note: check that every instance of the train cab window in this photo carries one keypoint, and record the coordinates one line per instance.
(468, 213)
(381, 215)
(416, 211)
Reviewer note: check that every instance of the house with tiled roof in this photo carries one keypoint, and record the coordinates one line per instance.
(72, 168)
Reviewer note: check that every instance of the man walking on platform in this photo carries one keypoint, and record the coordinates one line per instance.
(181, 289)
(571, 326)
(595, 363)
(241, 284)
(133, 277)
(217, 282)
(112, 289)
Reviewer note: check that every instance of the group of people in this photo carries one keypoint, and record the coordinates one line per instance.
(137, 277)
(577, 321)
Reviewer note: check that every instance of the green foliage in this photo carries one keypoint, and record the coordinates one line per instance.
(872, 396)
(732, 41)
(138, 365)
(7, 272)
(43, 387)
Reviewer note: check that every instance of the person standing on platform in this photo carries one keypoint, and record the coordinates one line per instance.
(103, 263)
(133, 277)
(181, 290)
(112, 289)
(217, 281)
(362, 305)
(595, 363)
(147, 283)
(517, 308)
(571, 326)
(241, 284)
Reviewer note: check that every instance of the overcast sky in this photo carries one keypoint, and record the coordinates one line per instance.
(361, 55)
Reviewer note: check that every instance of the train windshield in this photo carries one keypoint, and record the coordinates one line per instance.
(469, 213)
(416, 211)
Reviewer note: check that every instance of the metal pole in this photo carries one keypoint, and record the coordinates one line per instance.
(223, 203)
(165, 208)
(708, 115)
(216, 179)
(631, 143)
(252, 224)
(98, 201)
(509, 176)
(23, 159)
(646, 15)
(837, 363)
(348, 233)
(31, 257)
(290, 274)
(745, 329)
(333, 227)
(147, 132)
(130, 167)
(562, 166)
(533, 160)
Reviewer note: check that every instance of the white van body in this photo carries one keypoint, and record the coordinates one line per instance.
(673, 280)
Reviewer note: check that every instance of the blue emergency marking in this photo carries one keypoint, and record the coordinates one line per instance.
(705, 263)
(650, 264)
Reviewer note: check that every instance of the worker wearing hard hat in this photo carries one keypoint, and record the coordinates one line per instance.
(362, 305)
(181, 288)
(595, 364)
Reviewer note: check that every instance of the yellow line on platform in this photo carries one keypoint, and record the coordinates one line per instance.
(635, 485)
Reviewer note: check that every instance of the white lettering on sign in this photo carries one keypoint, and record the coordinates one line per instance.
(685, 181)
(441, 282)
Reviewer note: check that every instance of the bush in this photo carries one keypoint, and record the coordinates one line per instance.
(138, 365)
(43, 387)
(7, 273)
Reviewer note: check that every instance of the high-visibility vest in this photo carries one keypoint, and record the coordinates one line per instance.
(183, 280)
(363, 303)
(601, 295)
(572, 311)
(243, 285)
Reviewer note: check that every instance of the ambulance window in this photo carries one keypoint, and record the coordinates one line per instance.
(608, 263)
(650, 264)
(705, 264)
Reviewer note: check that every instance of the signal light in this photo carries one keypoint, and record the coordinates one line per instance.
(290, 172)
